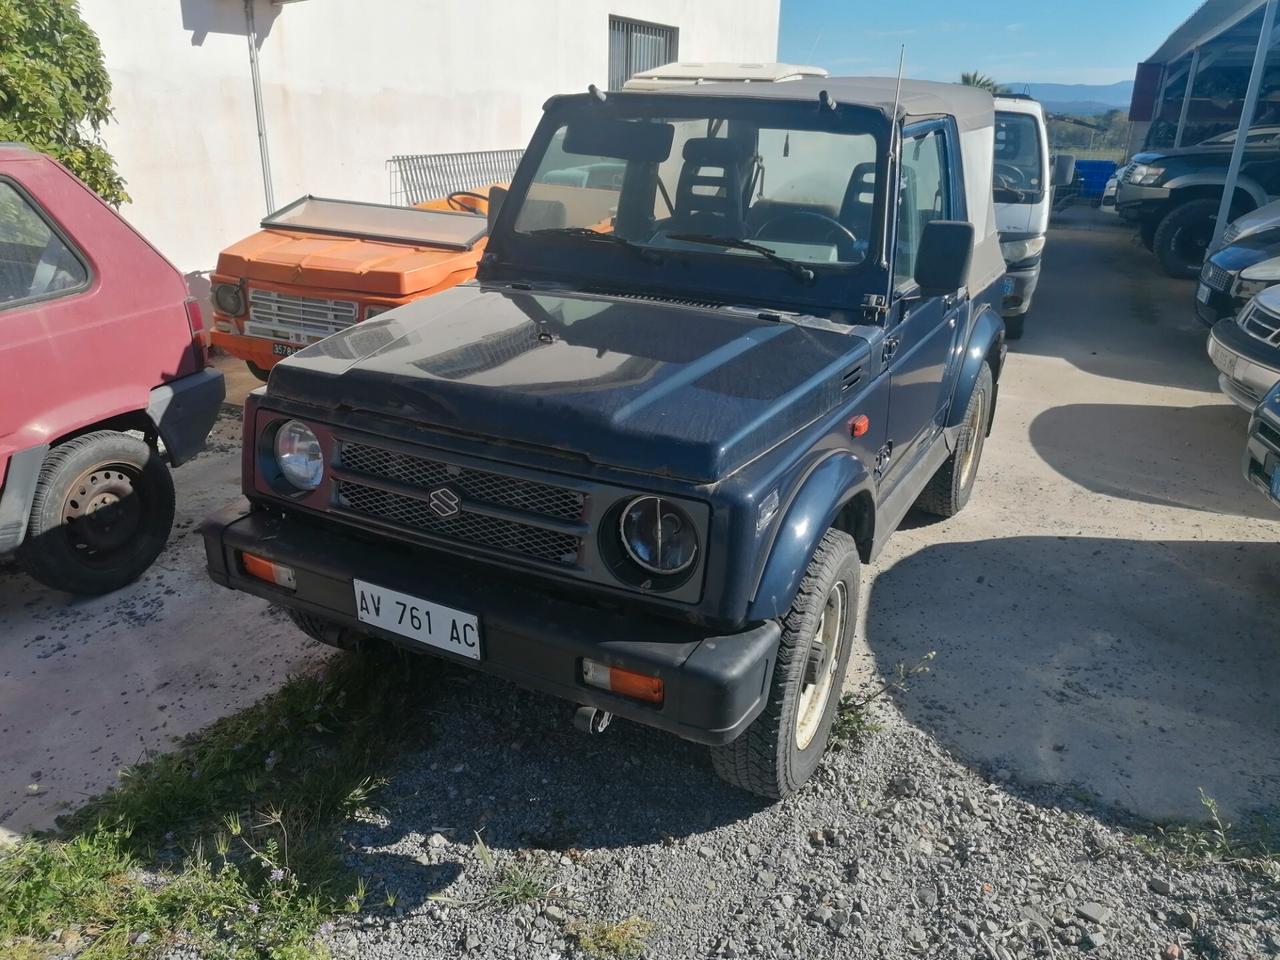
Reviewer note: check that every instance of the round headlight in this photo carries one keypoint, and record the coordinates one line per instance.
(229, 299)
(299, 455)
(658, 535)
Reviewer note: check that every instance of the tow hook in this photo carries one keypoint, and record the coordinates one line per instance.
(591, 719)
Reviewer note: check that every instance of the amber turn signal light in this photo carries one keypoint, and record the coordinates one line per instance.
(268, 570)
(625, 683)
(859, 425)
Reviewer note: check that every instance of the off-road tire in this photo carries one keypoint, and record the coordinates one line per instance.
(949, 489)
(50, 553)
(1199, 214)
(1147, 232)
(1013, 326)
(259, 372)
(765, 758)
(327, 632)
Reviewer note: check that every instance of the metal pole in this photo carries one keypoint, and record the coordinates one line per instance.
(1186, 96)
(1246, 120)
(263, 150)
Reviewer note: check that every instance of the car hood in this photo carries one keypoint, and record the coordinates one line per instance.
(1265, 217)
(684, 391)
(376, 267)
(1221, 150)
(1244, 253)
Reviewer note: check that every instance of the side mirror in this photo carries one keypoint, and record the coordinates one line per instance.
(496, 196)
(1064, 169)
(942, 262)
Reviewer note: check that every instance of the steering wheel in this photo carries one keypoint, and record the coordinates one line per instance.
(456, 201)
(846, 242)
(1013, 177)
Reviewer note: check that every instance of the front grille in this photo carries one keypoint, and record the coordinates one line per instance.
(1269, 435)
(1258, 323)
(1215, 277)
(282, 316)
(516, 493)
(497, 533)
(522, 517)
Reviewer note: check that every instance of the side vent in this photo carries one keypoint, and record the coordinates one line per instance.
(852, 377)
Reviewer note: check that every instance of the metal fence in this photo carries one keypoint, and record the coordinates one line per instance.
(426, 176)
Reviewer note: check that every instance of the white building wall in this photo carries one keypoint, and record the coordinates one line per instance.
(347, 84)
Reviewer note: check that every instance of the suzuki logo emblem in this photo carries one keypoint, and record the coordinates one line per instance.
(444, 502)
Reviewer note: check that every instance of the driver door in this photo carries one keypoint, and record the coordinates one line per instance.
(921, 330)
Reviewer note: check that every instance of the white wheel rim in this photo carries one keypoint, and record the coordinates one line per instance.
(977, 434)
(815, 693)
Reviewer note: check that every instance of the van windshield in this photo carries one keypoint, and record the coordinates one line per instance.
(663, 184)
(1019, 172)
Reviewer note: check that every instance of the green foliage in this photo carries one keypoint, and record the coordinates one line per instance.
(1251, 848)
(982, 82)
(54, 89)
(266, 789)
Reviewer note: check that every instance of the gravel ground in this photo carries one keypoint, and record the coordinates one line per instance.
(894, 850)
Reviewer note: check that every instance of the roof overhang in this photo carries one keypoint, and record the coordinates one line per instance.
(1211, 19)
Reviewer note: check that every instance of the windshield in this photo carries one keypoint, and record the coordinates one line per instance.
(706, 184)
(376, 221)
(1019, 174)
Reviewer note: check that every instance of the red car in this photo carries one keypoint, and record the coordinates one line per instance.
(103, 382)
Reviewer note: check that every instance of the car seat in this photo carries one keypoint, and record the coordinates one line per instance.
(711, 188)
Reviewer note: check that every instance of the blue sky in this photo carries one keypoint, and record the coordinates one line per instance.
(1043, 41)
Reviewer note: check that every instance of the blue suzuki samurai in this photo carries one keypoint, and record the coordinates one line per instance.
(722, 339)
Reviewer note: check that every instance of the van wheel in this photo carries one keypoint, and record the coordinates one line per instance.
(781, 748)
(950, 488)
(327, 632)
(1183, 237)
(1013, 326)
(101, 514)
(259, 372)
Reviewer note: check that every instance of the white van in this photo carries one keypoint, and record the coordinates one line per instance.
(687, 74)
(1024, 198)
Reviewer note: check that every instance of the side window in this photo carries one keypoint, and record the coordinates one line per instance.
(34, 262)
(924, 194)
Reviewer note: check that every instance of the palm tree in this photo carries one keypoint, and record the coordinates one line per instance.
(981, 81)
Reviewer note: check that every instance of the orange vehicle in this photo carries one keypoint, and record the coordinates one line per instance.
(319, 265)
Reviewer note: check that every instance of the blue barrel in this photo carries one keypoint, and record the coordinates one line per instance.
(1092, 176)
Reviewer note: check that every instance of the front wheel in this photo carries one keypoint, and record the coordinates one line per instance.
(782, 747)
(1183, 237)
(950, 488)
(101, 514)
(262, 373)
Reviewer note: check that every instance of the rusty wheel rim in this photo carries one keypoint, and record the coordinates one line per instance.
(102, 510)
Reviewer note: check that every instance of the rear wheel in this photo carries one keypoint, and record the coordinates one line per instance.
(782, 747)
(101, 513)
(951, 487)
(1183, 237)
(327, 632)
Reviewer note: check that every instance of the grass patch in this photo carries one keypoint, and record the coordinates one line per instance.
(624, 940)
(853, 721)
(1252, 847)
(229, 844)
(512, 885)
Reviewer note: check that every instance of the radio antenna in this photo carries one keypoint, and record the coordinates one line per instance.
(895, 143)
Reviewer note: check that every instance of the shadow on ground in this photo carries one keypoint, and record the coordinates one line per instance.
(1172, 456)
(1138, 671)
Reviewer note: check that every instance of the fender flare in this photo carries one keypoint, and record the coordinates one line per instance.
(987, 333)
(811, 512)
(1217, 182)
(16, 493)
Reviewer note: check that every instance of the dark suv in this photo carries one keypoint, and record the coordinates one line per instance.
(1173, 195)
(710, 362)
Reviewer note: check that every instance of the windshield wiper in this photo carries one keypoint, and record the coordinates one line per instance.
(796, 269)
(648, 256)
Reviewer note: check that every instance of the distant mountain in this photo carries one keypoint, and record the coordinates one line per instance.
(1089, 99)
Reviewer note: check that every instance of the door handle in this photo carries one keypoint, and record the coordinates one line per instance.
(891, 345)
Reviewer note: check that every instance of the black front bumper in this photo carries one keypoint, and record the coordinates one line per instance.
(714, 685)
